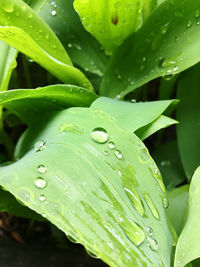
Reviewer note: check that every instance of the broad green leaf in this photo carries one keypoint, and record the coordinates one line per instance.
(23, 29)
(28, 103)
(9, 204)
(82, 48)
(166, 44)
(94, 180)
(188, 243)
(188, 114)
(168, 160)
(133, 116)
(110, 21)
(158, 124)
(178, 200)
(7, 64)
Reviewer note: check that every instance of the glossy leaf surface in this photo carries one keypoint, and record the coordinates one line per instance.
(188, 114)
(188, 243)
(28, 103)
(94, 180)
(21, 28)
(167, 43)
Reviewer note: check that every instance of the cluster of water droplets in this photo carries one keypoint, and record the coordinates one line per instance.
(53, 11)
(100, 135)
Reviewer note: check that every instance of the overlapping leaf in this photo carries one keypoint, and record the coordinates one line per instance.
(167, 43)
(95, 180)
(21, 28)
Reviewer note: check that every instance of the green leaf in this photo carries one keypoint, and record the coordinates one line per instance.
(82, 48)
(7, 64)
(110, 21)
(188, 114)
(133, 116)
(167, 43)
(9, 204)
(158, 124)
(23, 29)
(178, 199)
(30, 103)
(108, 199)
(188, 243)
(167, 87)
(168, 160)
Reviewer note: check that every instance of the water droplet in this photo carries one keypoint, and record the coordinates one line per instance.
(53, 12)
(53, 3)
(119, 77)
(168, 77)
(42, 198)
(156, 174)
(152, 206)
(41, 168)
(72, 239)
(144, 155)
(92, 254)
(135, 232)
(105, 152)
(165, 202)
(164, 28)
(2, 35)
(118, 154)
(111, 145)
(149, 231)
(189, 24)
(153, 244)
(39, 146)
(8, 5)
(135, 199)
(40, 182)
(133, 100)
(197, 13)
(99, 135)
(165, 163)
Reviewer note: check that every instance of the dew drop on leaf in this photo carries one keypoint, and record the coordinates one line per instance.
(39, 146)
(7, 5)
(91, 254)
(152, 206)
(41, 168)
(42, 198)
(40, 182)
(53, 12)
(111, 145)
(105, 152)
(189, 24)
(149, 231)
(165, 202)
(118, 154)
(99, 135)
(144, 155)
(153, 244)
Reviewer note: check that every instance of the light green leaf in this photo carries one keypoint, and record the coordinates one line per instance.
(188, 114)
(188, 243)
(9, 204)
(158, 124)
(21, 28)
(30, 103)
(110, 21)
(167, 43)
(110, 199)
(133, 116)
(178, 200)
(168, 160)
(82, 48)
(7, 64)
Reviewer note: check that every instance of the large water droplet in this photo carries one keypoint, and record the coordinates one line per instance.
(152, 206)
(144, 155)
(41, 168)
(135, 199)
(135, 232)
(165, 202)
(99, 135)
(153, 244)
(111, 145)
(39, 146)
(118, 154)
(156, 174)
(40, 182)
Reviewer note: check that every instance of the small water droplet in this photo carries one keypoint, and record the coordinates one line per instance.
(42, 198)
(133, 100)
(41, 168)
(111, 145)
(189, 24)
(39, 146)
(72, 239)
(53, 12)
(53, 3)
(165, 163)
(153, 244)
(92, 254)
(152, 206)
(165, 202)
(40, 182)
(164, 28)
(118, 154)
(105, 152)
(149, 231)
(99, 135)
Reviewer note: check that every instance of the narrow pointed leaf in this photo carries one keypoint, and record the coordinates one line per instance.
(109, 200)
(188, 243)
(166, 44)
(21, 28)
(28, 103)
